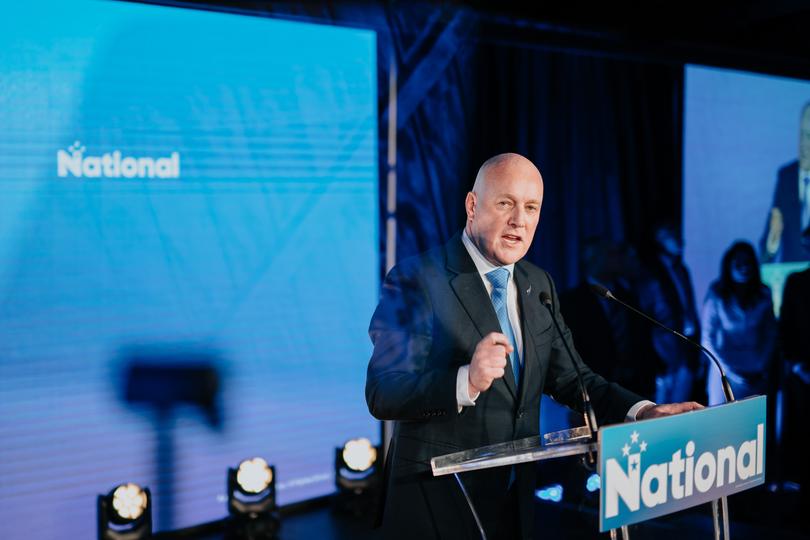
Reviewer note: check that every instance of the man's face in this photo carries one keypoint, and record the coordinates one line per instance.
(804, 139)
(503, 214)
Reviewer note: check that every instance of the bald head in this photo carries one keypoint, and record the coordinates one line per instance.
(505, 165)
(503, 208)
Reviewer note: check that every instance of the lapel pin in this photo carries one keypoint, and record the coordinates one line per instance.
(529, 290)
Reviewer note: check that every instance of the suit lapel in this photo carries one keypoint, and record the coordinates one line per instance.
(470, 291)
(533, 318)
(527, 316)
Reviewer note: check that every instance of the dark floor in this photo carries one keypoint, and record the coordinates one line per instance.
(757, 514)
(753, 516)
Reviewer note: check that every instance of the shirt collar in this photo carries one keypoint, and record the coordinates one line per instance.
(481, 263)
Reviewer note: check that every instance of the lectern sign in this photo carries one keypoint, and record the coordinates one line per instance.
(656, 467)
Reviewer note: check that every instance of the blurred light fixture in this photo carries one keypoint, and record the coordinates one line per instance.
(252, 504)
(553, 493)
(359, 455)
(358, 474)
(593, 483)
(125, 513)
(254, 475)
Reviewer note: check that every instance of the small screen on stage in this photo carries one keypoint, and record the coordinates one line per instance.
(188, 256)
(746, 173)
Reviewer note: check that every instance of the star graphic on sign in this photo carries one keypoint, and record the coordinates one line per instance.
(633, 466)
(643, 446)
(625, 450)
(634, 437)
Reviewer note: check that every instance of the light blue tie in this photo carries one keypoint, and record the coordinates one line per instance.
(499, 279)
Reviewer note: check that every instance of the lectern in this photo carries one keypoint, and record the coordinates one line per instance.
(648, 468)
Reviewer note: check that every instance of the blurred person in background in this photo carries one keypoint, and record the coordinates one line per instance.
(739, 326)
(667, 294)
(619, 346)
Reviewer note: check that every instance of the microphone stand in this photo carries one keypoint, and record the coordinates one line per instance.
(588, 413)
(604, 292)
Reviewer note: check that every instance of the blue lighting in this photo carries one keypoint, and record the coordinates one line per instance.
(593, 483)
(550, 493)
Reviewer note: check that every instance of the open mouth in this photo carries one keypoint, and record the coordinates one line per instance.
(512, 238)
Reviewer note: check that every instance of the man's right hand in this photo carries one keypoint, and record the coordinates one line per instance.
(488, 362)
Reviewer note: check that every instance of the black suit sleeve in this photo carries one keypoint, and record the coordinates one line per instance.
(401, 382)
(611, 402)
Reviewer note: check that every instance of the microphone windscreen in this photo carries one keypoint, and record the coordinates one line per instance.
(599, 290)
(545, 298)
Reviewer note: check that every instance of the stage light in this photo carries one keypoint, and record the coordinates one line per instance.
(593, 483)
(129, 501)
(552, 493)
(125, 513)
(359, 455)
(252, 504)
(254, 475)
(358, 475)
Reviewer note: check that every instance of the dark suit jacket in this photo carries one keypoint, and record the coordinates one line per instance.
(786, 198)
(433, 311)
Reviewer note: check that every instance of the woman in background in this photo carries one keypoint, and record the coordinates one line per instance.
(739, 326)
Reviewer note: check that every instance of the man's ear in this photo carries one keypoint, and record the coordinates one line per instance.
(469, 205)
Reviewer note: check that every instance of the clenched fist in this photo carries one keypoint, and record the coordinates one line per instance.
(488, 361)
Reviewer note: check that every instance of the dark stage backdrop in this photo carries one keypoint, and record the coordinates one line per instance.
(605, 131)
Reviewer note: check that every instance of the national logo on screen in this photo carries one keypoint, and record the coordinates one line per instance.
(684, 475)
(75, 162)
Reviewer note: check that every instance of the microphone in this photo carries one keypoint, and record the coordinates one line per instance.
(590, 417)
(604, 292)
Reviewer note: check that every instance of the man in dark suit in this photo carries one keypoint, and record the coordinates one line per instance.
(463, 349)
(667, 294)
(790, 212)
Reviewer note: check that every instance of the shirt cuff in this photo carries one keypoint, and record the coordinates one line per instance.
(463, 397)
(634, 410)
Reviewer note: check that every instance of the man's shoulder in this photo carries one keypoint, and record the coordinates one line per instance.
(422, 263)
(789, 170)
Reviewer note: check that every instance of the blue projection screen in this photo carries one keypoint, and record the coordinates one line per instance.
(741, 149)
(179, 185)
